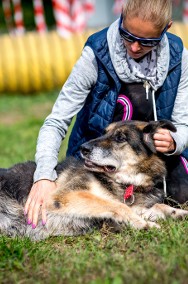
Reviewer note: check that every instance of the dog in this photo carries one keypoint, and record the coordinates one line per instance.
(118, 180)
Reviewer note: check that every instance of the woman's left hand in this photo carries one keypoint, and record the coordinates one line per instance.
(163, 141)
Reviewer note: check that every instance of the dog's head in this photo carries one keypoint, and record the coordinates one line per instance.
(125, 151)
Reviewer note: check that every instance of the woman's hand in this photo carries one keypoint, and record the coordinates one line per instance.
(36, 201)
(163, 141)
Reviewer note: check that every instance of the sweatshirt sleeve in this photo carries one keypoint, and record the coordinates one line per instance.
(70, 100)
(180, 111)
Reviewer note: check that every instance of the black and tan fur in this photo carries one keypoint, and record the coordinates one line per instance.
(93, 191)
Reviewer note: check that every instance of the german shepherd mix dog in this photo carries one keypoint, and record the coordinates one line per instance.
(118, 181)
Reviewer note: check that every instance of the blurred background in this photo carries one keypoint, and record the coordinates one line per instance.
(40, 41)
(98, 13)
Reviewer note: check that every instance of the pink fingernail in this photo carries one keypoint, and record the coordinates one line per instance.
(29, 222)
(33, 226)
(25, 212)
(43, 223)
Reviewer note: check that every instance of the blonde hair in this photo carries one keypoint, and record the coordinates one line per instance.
(159, 12)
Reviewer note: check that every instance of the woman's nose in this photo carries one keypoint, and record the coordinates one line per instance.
(135, 46)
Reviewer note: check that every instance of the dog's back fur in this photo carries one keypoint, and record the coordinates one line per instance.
(93, 190)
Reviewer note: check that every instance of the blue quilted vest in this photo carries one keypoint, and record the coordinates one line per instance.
(98, 110)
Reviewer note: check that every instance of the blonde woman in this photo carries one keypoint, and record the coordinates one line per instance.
(132, 70)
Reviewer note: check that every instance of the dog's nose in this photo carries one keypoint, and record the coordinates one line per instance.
(85, 149)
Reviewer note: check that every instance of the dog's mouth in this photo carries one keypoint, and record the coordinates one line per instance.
(99, 168)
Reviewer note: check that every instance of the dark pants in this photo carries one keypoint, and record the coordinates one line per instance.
(177, 178)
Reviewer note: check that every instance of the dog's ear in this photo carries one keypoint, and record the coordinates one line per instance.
(148, 141)
(150, 129)
(166, 124)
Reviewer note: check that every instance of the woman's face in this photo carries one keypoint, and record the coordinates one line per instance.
(142, 29)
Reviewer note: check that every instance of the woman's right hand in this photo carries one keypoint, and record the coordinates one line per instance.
(36, 201)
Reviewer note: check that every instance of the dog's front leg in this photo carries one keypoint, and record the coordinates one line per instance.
(160, 211)
(84, 204)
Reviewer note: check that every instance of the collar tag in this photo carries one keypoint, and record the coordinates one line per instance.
(128, 195)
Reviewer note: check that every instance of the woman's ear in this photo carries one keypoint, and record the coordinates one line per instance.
(169, 25)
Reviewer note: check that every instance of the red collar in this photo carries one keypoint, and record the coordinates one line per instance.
(128, 195)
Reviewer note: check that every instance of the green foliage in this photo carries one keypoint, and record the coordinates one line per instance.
(103, 257)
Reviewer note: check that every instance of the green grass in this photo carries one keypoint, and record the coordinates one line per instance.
(103, 257)
(20, 120)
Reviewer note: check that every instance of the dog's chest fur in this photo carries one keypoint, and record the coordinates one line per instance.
(75, 177)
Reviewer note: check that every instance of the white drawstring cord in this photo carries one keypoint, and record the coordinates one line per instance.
(164, 187)
(155, 118)
(147, 87)
(154, 105)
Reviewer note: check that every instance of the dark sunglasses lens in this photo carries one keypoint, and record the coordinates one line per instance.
(149, 43)
(126, 36)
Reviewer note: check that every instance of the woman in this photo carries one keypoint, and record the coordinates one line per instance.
(132, 70)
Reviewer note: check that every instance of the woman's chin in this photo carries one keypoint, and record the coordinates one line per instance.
(135, 55)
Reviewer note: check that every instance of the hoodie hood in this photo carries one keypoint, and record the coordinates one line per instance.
(152, 68)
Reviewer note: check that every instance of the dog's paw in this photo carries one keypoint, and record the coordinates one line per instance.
(138, 223)
(135, 221)
(163, 211)
(176, 213)
(152, 215)
(153, 225)
(142, 224)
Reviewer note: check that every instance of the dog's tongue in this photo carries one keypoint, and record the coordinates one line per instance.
(106, 168)
(109, 169)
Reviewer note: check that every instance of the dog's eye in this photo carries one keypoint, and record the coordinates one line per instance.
(120, 137)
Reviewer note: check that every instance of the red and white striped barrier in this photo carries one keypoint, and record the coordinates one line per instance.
(185, 12)
(78, 16)
(61, 9)
(18, 17)
(89, 7)
(39, 16)
(71, 15)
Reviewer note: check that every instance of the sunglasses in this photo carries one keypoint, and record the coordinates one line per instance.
(148, 42)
